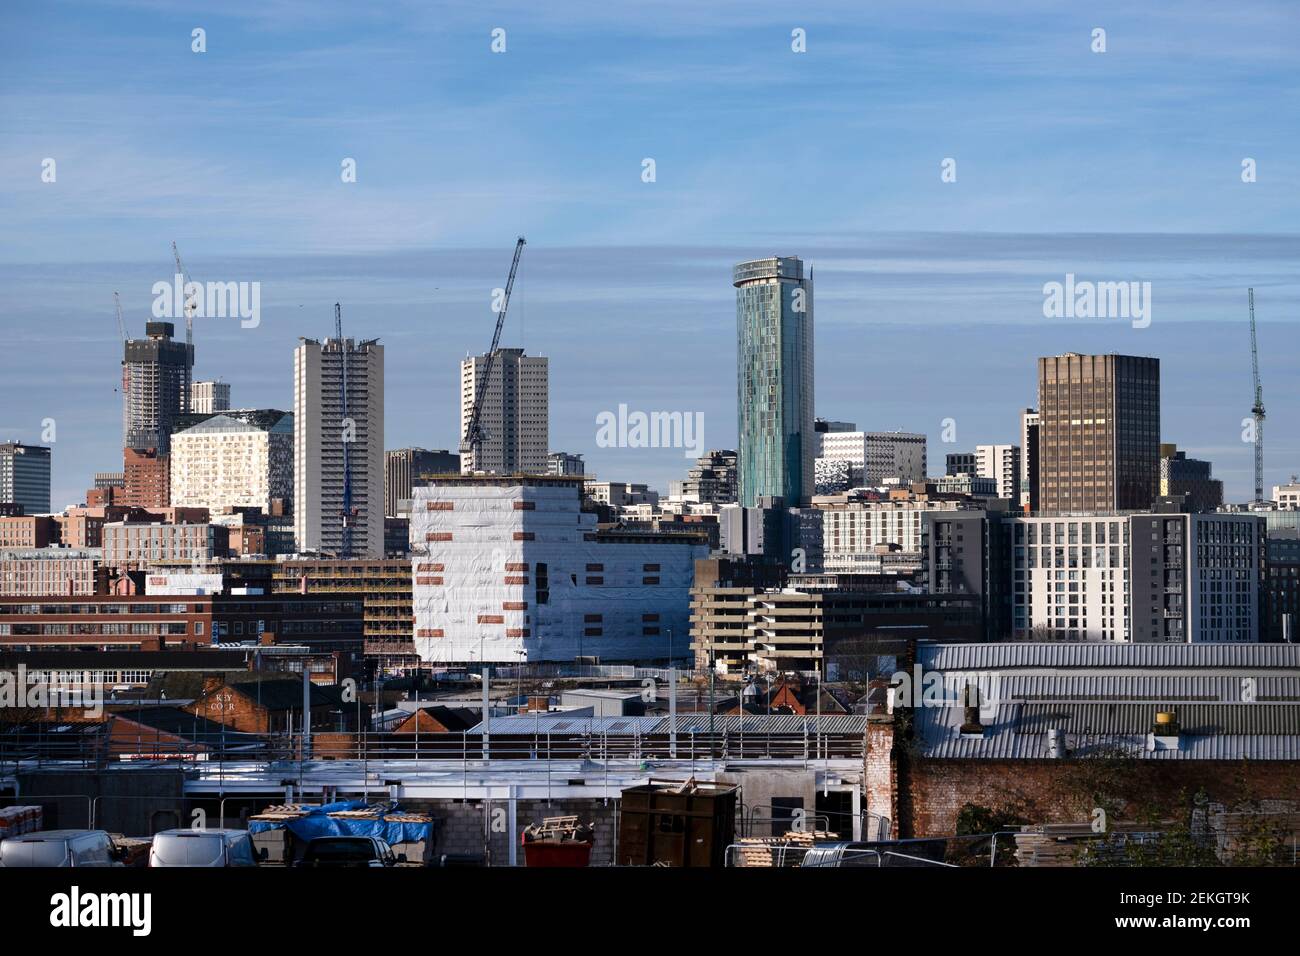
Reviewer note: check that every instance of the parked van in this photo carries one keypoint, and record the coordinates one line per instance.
(60, 848)
(202, 848)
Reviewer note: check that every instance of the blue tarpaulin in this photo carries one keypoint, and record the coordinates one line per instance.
(318, 823)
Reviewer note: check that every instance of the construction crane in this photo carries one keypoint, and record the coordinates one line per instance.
(121, 325)
(473, 439)
(1257, 410)
(189, 327)
(348, 513)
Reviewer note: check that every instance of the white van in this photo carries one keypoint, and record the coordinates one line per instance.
(202, 848)
(59, 848)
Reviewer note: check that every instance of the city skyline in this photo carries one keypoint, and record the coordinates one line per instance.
(866, 464)
(1205, 388)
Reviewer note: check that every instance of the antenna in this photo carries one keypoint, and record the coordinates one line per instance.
(1257, 410)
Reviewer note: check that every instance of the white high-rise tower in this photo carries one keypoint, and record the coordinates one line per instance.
(320, 431)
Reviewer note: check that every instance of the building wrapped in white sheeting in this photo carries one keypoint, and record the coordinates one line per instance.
(510, 569)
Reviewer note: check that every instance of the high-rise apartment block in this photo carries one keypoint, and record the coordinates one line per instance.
(338, 441)
(1165, 577)
(209, 397)
(25, 476)
(774, 380)
(712, 480)
(235, 459)
(855, 533)
(1002, 464)
(515, 416)
(1099, 433)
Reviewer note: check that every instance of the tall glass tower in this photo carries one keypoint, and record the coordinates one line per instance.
(774, 380)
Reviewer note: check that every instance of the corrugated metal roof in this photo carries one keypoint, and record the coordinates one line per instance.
(1025, 655)
(564, 723)
(560, 722)
(1018, 730)
(773, 724)
(1136, 718)
(1152, 686)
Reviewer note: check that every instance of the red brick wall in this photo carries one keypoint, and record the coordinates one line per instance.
(881, 771)
(1060, 791)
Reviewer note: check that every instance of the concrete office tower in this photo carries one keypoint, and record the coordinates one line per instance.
(320, 431)
(1099, 433)
(1190, 477)
(960, 463)
(892, 456)
(1002, 464)
(155, 387)
(516, 412)
(241, 459)
(774, 380)
(1029, 459)
(25, 477)
(209, 397)
(403, 468)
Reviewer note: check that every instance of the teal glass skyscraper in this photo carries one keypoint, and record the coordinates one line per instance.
(774, 380)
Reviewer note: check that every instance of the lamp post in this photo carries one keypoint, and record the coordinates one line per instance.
(712, 672)
(519, 679)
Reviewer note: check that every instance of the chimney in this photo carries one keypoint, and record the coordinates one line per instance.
(971, 726)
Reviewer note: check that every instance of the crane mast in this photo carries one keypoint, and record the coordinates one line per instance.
(121, 325)
(189, 327)
(473, 439)
(1257, 410)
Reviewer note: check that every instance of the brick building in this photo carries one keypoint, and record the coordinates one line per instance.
(1060, 728)
(147, 482)
(137, 622)
(33, 572)
(28, 531)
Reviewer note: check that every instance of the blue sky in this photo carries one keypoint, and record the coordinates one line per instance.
(1123, 165)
